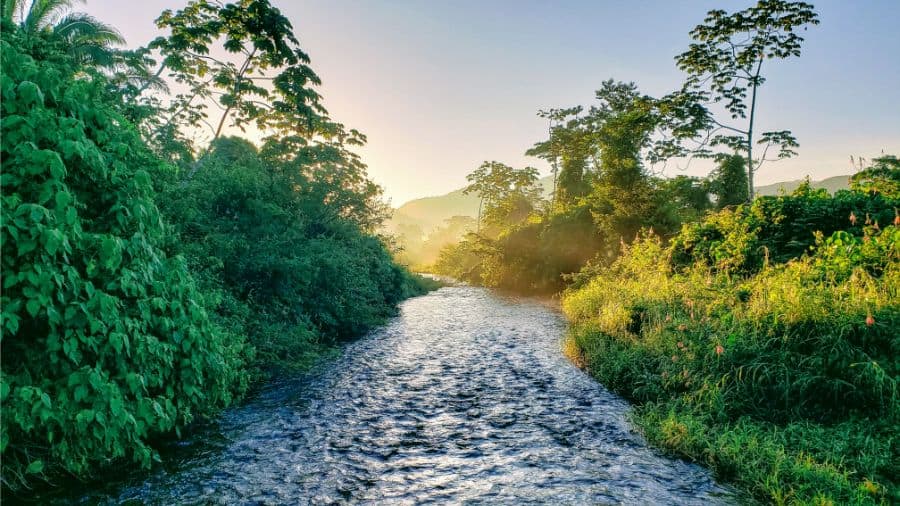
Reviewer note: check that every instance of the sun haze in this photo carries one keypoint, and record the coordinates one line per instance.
(438, 87)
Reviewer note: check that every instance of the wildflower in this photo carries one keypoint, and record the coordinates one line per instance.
(668, 318)
(719, 349)
(868, 219)
(680, 344)
(665, 374)
(870, 320)
(896, 218)
(674, 358)
(876, 227)
(852, 218)
(682, 327)
(685, 373)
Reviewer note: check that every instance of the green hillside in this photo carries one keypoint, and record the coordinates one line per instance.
(832, 184)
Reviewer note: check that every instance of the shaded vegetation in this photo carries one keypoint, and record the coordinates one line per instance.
(148, 278)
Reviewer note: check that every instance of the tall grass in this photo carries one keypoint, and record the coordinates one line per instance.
(783, 380)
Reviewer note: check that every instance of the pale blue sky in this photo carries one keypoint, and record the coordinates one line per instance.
(440, 86)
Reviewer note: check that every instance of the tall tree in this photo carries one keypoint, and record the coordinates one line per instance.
(883, 177)
(568, 150)
(726, 63)
(263, 79)
(503, 191)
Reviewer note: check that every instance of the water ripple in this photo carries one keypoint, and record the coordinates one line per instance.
(464, 398)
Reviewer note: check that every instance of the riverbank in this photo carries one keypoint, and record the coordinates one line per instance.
(462, 397)
(782, 382)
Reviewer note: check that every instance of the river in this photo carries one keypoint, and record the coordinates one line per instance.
(464, 397)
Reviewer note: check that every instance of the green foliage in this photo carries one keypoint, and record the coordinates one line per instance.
(507, 195)
(780, 375)
(106, 340)
(882, 178)
(423, 252)
(129, 311)
(776, 229)
(87, 40)
(529, 258)
(728, 182)
(293, 270)
(537, 252)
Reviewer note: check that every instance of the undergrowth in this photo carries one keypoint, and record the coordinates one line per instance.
(782, 379)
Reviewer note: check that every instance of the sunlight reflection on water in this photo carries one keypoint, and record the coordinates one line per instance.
(464, 397)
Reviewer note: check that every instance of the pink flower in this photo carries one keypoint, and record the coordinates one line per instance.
(870, 320)
(719, 349)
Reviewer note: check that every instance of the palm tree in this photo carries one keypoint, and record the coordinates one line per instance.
(90, 40)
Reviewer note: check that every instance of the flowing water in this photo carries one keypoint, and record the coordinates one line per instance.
(464, 397)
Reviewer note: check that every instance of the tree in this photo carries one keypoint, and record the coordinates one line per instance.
(728, 182)
(89, 40)
(503, 191)
(568, 150)
(726, 63)
(882, 177)
(264, 80)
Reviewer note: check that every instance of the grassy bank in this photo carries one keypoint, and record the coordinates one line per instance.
(781, 378)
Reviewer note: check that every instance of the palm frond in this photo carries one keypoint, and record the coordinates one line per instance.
(12, 9)
(43, 14)
(78, 26)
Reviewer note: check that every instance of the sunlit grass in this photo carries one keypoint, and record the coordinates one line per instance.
(783, 381)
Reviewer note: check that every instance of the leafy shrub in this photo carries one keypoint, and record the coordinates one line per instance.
(106, 341)
(777, 229)
(291, 270)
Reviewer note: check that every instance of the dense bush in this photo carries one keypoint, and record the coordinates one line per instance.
(290, 270)
(777, 229)
(140, 295)
(782, 377)
(106, 341)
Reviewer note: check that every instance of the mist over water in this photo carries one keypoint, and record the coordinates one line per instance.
(464, 397)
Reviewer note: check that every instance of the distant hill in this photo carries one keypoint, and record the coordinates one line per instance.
(832, 184)
(430, 212)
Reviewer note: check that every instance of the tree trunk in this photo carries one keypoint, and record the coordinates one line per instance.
(750, 170)
(478, 223)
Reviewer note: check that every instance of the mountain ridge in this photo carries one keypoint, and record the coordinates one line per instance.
(429, 213)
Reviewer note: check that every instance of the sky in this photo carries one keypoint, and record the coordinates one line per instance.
(438, 87)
